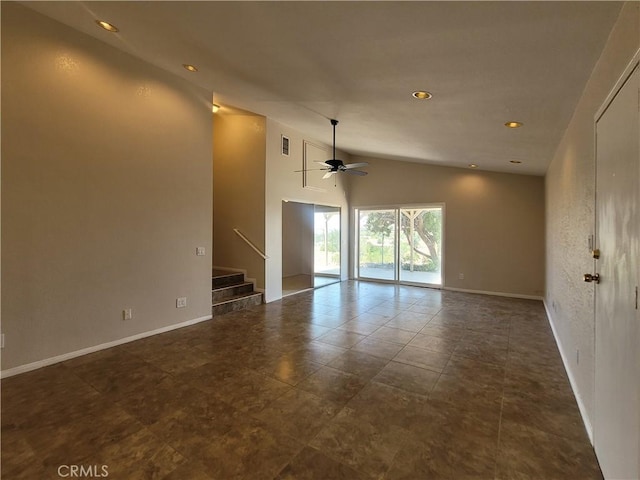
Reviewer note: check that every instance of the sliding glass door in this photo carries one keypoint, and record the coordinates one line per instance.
(377, 244)
(420, 245)
(326, 252)
(401, 244)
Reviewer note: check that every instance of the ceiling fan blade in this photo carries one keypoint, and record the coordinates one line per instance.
(355, 172)
(327, 175)
(312, 170)
(355, 165)
(322, 163)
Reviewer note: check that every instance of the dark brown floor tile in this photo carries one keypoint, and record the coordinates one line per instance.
(250, 391)
(483, 400)
(393, 335)
(240, 397)
(443, 460)
(359, 363)
(450, 333)
(419, 357)
(427, 310)
(384, 405)
(290, 369)
(341, 338)
(43, 396)
(156, 400)
(359, 326)
(29, 470)
(188, 471)
(333, 385)
(298, 414)
(248, 452)
(526, 452)
(434, 343)
(411, 321)
(329, 321)
(354, 441)
(139, 456)
(172, 358)
(378, 348)
(451, 445)
(320, 352)
(475, 370)
(311, 464)
(443, 319)
(69, 442)
(386, 311)
(407, 377)
(16, 452)
(190, 428)
(482, 353)
(119, 375)
(557, 416)
(373, 318)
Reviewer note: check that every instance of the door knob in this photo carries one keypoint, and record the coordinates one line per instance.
(592, 278)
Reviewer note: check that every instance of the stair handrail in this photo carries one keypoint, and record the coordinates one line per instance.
(250, 243)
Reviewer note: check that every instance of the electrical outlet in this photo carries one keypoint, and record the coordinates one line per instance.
(461, 276)
(181, 302)
(200, 251)
(127, 314)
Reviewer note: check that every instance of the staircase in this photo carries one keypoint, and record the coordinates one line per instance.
(230, 292)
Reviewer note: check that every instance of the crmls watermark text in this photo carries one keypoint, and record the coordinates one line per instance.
(83, 471)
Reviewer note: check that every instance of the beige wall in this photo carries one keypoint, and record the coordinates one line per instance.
(570, 199)
(239, 156)
(106, 192)
(283, 183)
(494, 222)
(297, 238)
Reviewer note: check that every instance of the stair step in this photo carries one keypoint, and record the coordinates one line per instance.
(236, 302)
(222, 293)
(222, 278)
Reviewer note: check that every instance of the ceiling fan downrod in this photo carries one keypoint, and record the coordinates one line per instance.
(334, 122)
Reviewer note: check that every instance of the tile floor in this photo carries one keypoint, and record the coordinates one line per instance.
(352, 381)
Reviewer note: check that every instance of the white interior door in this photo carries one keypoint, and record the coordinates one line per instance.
(617, 372)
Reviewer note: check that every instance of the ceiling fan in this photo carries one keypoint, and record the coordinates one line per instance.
(334, 165)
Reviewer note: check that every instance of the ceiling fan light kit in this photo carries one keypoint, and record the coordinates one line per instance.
(334, 165)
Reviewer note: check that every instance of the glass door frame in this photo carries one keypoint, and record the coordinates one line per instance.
(398, 219)
(337, 277)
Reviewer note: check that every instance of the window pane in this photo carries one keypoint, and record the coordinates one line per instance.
(377, 248)
(420, 245)
(327, 241)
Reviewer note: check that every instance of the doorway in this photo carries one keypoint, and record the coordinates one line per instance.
(311, 245)
(401, 245)
(617, 319)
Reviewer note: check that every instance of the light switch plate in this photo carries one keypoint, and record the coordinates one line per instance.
(200, 251)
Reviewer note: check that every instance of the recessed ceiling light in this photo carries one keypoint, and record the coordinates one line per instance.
(422, 95)
(107, 26)
(513, 124)
(473, 165)
(215, 108)
(191, 68)
(515, 161)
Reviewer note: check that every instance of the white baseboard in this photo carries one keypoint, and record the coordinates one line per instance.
(497, 294)
(78, 353)
(572, 381)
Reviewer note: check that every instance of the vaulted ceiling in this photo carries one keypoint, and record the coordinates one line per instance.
(301, 63)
